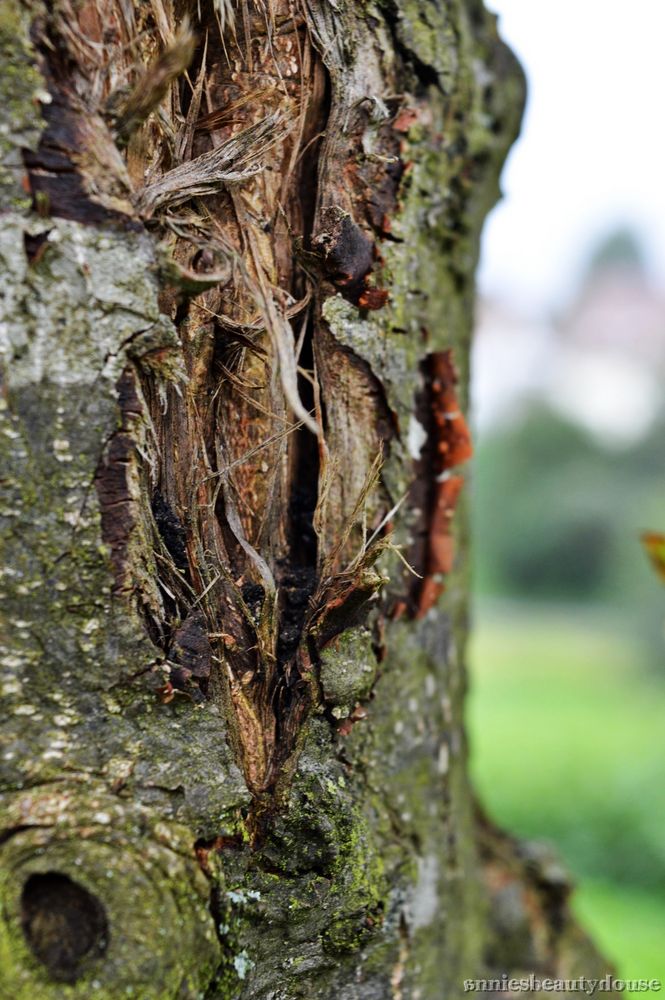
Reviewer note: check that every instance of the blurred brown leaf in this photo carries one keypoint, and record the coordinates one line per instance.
(654, 545)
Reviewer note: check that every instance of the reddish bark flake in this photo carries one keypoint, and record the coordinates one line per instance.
(373, 298)
(441, 552)
(204, 848)
(405, 119)
(441, 547)
(166, 693)
(453, 438)
(450, 447)
(346, 725)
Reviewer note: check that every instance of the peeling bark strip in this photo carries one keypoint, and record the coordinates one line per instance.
(447, 445)
(115, 482)
(451, 447)
(76, 171)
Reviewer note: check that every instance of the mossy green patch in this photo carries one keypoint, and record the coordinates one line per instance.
(348, 670)
(22, 89)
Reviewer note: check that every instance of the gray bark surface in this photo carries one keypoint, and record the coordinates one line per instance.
(238, 265)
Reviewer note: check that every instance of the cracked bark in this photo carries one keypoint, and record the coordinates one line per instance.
(238, 288)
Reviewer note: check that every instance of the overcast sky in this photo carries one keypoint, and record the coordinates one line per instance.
(592, 152)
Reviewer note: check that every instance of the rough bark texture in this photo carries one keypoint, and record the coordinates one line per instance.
(238, 279)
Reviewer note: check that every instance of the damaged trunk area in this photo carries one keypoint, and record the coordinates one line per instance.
(242, 495)
(234, 470)
(233, 452)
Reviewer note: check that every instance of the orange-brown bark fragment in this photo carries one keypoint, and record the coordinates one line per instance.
(451, 447)
(452, 433)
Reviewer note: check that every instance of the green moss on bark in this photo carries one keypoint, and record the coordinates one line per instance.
(98, 783)
(22, 90)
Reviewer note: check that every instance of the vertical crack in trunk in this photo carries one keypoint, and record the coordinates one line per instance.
(436, 488)
(209, 489)
(237, 472)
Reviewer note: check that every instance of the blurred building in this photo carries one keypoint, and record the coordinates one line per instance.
(600, 362)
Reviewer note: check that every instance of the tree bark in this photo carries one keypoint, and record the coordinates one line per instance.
(238, 243)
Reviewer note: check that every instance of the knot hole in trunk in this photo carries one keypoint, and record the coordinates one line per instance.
(63, 923)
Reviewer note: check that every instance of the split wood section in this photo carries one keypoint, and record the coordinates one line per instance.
(244, 480)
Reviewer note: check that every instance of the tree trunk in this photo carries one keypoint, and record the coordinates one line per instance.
(239, 243)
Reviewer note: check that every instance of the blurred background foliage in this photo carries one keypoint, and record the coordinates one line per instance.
(566, 713)
(558, 518)
(568, 746)
(567, 706)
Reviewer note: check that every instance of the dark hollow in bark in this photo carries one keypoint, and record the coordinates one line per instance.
(63, 923)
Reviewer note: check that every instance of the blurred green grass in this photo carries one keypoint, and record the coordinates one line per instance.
(567, 730)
